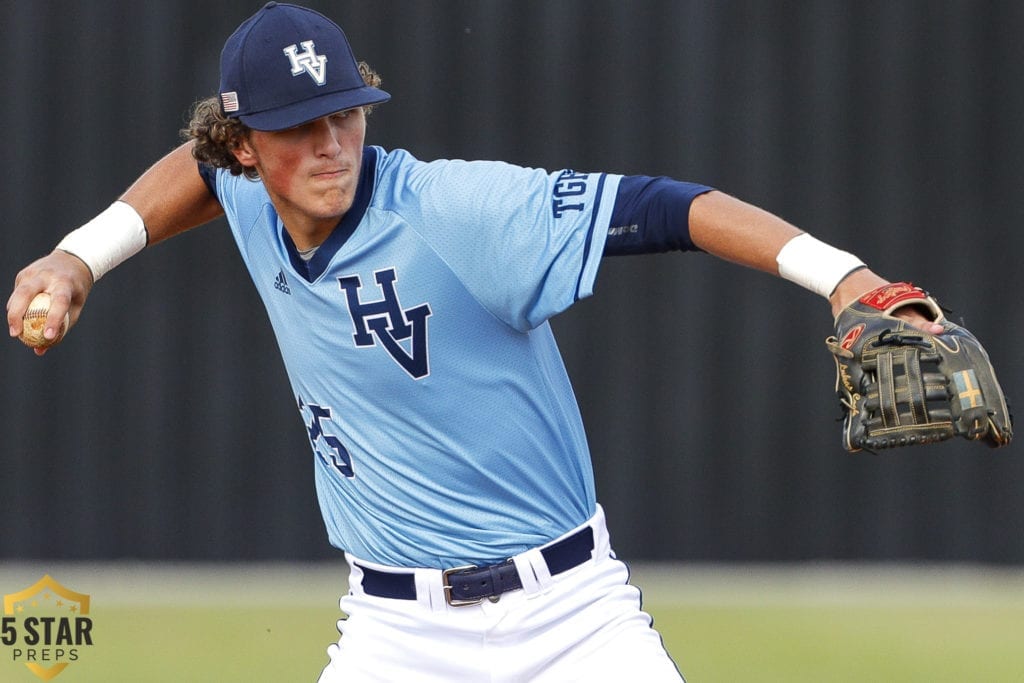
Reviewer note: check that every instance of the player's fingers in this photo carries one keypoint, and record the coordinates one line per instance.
(59, 315)
(21, 297)
(13, 322)
(63, 278)
(18, 302)
(919, 321)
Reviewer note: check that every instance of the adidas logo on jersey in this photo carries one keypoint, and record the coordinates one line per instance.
(281, 283)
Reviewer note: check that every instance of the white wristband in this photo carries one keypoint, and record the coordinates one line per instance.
(815, 265)
(108, 239)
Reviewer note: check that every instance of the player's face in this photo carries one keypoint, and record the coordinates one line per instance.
(310, 171)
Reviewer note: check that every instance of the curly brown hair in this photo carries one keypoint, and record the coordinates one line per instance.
(216, 135)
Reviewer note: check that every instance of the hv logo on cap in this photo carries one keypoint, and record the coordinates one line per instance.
(308, 61)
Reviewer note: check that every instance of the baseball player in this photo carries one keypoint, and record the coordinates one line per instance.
(411, 301)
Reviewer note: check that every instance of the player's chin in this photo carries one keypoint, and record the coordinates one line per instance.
(333, 203)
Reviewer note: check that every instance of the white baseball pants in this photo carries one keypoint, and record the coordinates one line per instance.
(585, 624)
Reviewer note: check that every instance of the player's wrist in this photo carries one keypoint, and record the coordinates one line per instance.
(109, 239)
(852, 287)
(814, 265)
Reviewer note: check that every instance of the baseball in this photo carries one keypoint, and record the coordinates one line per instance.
(35, 320)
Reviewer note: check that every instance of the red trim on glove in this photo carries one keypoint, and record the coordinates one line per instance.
(887, 296)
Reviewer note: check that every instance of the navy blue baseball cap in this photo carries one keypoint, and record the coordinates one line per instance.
(287, 65)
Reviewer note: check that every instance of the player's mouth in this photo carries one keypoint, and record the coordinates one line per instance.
(330, 174)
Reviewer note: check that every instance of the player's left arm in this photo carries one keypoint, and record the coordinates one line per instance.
(739, 232)
(935, 391)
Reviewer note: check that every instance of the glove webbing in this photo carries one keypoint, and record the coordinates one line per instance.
(905, 395)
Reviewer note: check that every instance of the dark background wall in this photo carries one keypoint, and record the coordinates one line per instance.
(164, 427)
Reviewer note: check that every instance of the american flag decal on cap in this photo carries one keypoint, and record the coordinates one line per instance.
(229, 100)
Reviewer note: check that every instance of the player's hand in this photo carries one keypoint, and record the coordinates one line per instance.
(64, 277)
(863, 281)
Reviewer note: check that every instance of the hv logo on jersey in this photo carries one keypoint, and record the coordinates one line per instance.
(401, 331)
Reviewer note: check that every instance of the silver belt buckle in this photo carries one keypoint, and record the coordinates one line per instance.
(455, 602)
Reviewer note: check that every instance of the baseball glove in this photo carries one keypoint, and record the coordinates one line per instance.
(899, 386)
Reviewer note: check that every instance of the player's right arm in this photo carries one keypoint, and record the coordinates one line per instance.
(172, 197)
(169, 198)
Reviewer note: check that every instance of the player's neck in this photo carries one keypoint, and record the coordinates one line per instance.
(308, 232)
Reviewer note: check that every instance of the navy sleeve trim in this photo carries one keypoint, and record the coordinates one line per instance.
(209, 175)
(652, 215)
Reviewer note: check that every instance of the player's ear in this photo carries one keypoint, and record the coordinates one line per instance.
(244, 152)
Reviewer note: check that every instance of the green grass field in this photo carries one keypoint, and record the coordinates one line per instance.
(272, 623)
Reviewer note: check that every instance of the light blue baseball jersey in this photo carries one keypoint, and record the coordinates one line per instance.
(443, 425)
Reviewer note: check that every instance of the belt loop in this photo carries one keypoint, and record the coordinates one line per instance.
(533, 571)
(355, 575)
(602, 543)
(430, 589)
